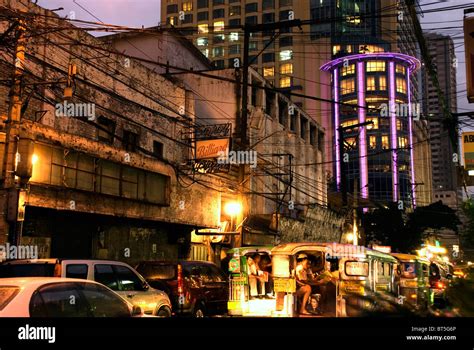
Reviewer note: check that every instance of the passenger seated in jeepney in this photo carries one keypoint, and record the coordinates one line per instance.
(256, 277)
(266, 267)
(327, 281)
(304, 277)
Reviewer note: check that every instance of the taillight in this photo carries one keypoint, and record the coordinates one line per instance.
(180, 280)
(57, 270)
(439, 285)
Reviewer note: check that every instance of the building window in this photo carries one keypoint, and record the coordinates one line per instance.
(375, 66)
(158, 149)
(348, 123)
(106, 130)
(385, 142)
(372, 142)
(375, 124)
(172, 20)
(402, 142)
(268, 17)
(187, 6)
(234, 10)
(218, 39)
(203, 28)
(234, 36)
(268, 57)
(400, 69)
(303, 127)
(218, 13)
(268, 71)
(312, 135)
(253, 46)
(188, 18)
(218, 51)
(219, 26)
(286, 68)
(253, 7)
(286, 41)
(202, 41)
(202, 4)
(172, 9)
(401, 85)
(234, 49)
(130, 140)
(218, 2)
(284, 15)
(234, 22)
(286, 3)
(203, 16)
(219, 64)
(269, 44)
(370, 83)
(382, 83)
(205, 52)
(286, 55)
(348, 70)
(251, 20)
(347, 86)
(285, 82)
(268, 4)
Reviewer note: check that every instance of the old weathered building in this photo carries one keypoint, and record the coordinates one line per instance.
(104, 178)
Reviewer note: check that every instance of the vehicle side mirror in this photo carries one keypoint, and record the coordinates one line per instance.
(136, 311)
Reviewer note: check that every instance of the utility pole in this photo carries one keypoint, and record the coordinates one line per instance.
(12, 136)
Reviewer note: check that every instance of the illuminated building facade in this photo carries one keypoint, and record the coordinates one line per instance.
(375, 87)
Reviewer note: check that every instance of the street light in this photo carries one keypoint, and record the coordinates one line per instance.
(232, 209)
(34, 159)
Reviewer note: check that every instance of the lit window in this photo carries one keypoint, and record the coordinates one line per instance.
(172, 20)
(347, 86)
(336, 49)
(351, 141)
(370, 49)
(375, 124)
(348, 123)
(399, 124)
(400, 69)
(187, 6)
(286, 68)
(268, 71)
(286, 55)
(205, 52)
(203, 28)
(402, 142)
(382, 83)
(201, 41)
(234, 36)
(372, 142)
(371, 83)
(376, 66)
(385, 142)
(285, 82)
(218, 26)
(401, 85)
(234, 10)
(350, 69)
(218, 51)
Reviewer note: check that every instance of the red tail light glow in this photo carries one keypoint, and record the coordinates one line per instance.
(439, 285)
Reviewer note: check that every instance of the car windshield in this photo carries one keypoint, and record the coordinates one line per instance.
(157, 271)
(27, 270)
(7, 293)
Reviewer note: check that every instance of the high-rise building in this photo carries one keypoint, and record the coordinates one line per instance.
(377, 158)
(441, 50)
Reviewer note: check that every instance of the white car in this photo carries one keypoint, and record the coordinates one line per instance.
(61, 297)
(118, 276)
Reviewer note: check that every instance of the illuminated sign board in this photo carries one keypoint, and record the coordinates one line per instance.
(468, 150)
(207, 149)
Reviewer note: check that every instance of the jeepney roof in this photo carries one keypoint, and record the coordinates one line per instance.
(250, 249)
(409, 257)
(333, 248)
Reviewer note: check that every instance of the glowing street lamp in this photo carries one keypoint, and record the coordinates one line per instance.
(232, 209)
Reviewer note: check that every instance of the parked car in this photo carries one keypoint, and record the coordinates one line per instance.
(61, 297)
(116, 275)
(196, 288)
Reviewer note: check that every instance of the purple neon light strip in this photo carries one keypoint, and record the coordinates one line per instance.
(364, 179)
(393, 131)
(410, 140)
(336, 126)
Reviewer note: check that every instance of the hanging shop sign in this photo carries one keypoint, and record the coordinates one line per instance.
(208, 149)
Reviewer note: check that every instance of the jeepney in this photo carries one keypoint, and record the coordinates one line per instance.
(241, 302)
(414, 285)
(359, 274)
